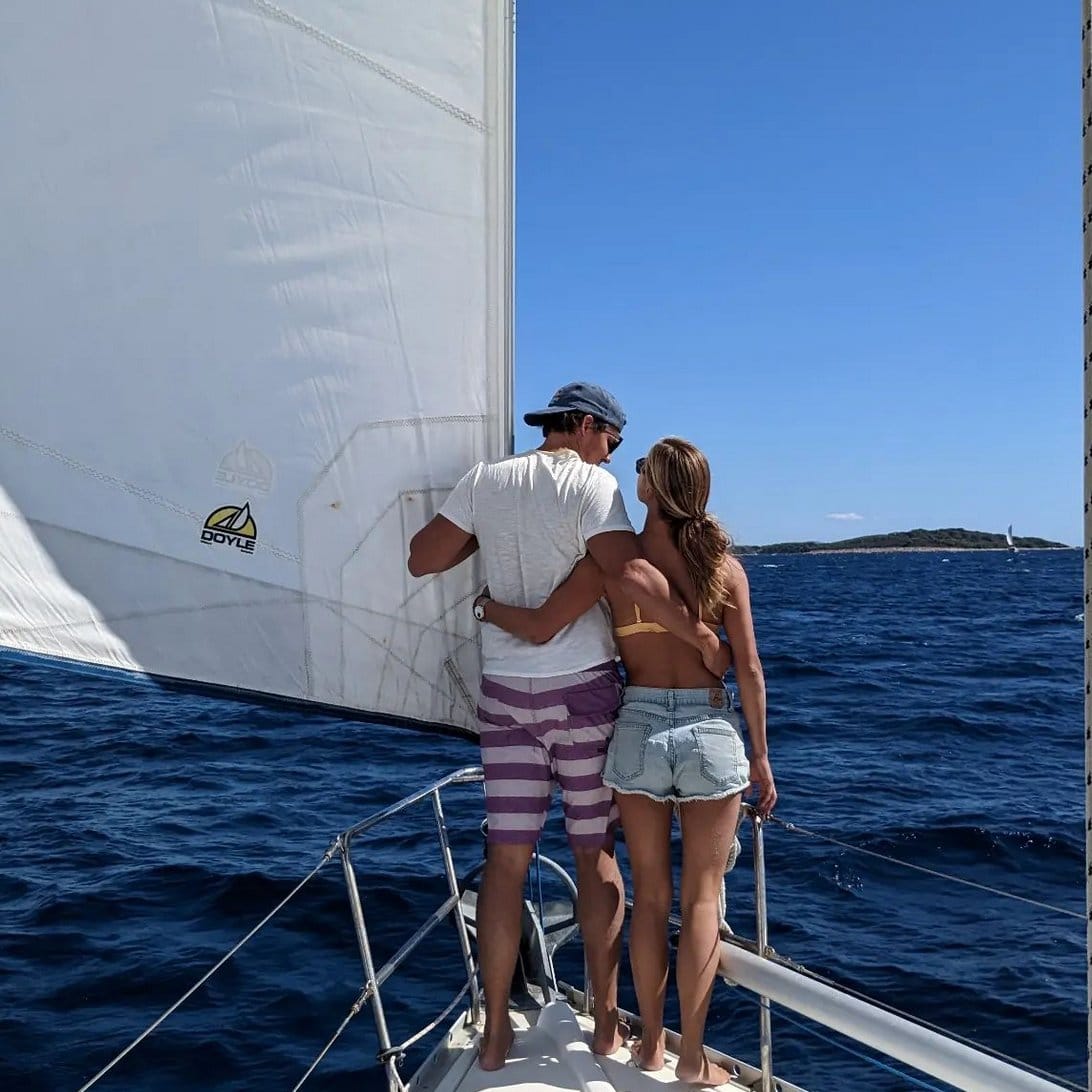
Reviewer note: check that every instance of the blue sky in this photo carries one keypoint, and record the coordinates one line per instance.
(835, 243)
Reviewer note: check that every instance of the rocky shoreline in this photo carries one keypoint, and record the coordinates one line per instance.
(919, 540)
(930, 550)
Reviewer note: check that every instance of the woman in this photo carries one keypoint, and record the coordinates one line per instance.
(676, 742)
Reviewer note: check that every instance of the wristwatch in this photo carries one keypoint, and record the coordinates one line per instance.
(479, 606)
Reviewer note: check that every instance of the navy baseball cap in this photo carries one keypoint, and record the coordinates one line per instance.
(582, 398)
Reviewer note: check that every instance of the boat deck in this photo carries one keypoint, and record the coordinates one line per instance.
(553, 1054)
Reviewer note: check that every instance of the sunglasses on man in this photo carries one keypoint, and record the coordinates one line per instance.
(614, 440)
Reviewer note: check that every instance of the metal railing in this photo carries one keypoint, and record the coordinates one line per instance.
(752, 964)
(390, 1055)
(757, 967)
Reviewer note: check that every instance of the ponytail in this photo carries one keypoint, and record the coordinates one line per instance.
(704, 545)
(678, 474)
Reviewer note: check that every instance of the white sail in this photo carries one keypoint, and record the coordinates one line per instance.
(256, 280)
(1008, 535)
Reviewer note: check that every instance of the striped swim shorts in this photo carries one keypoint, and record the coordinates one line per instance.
(535, 732)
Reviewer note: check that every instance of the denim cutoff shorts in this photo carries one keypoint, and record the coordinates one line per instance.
(677, 745)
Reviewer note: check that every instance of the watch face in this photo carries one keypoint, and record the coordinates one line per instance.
(479, 611)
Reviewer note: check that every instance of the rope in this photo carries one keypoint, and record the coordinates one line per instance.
(878, 1063)
(1001, 1056)
(354, 1010)
(205, 977)
(385, 1055)
(1014, 1062)
(795, 829)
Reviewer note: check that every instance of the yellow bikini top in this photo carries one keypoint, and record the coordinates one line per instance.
(638, 626)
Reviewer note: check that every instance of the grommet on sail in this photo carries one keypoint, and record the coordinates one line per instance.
(257, 260)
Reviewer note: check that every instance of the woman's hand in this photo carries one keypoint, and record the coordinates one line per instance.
(762, 784)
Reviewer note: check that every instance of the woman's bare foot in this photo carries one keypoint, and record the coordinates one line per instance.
(648, 1052)
(493, 1051)
(608, 1035)
(705, 1073)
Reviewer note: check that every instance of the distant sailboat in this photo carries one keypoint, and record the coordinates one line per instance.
(1008, 539)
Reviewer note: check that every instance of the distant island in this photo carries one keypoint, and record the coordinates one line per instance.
(944, 538)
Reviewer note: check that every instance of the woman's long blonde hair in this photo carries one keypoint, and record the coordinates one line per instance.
(678, 475)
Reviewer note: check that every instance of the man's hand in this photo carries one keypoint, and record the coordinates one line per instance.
(716, 655)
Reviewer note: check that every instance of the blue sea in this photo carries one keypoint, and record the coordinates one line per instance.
(925, 706)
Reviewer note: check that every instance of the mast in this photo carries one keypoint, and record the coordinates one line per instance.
(1086, 135)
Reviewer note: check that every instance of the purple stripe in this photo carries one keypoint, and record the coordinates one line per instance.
(599, 701)
(513, 837)
(599, 810)
(519, 771)
(519, 805)
(517, 699)
(604, 680)
(580, 783)
(544, 727)
(570, 752)
(496, 735)
(498, 720)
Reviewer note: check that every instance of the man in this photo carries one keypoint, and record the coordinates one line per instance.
(547, 711)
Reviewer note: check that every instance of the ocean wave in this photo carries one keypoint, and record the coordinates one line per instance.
(958, 842)
(936, 721)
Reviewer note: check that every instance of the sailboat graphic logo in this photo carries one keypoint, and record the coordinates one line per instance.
(245, 468)
(231, 526)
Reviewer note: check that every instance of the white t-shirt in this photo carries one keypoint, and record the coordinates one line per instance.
(533, 515)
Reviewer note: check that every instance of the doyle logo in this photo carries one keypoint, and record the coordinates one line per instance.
(245, 468)
(231, 526)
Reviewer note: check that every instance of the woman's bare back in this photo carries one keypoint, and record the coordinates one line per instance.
(657, 658)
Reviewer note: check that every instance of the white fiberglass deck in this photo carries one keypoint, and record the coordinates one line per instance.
(552, 1055)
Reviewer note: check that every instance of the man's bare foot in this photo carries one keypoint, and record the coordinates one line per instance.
(705, 1073)
(648, 1052)
(608, 1036)
(495, 1045)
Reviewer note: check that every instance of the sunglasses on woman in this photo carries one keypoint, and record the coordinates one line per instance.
(640, 466)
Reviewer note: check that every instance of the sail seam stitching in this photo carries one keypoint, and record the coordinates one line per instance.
(128, 487)
(291, 599)
(354, 54)
(456, 677)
